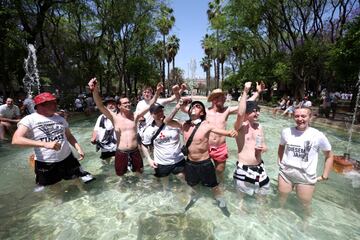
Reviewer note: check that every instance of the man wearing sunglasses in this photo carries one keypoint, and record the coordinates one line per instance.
(199, 167)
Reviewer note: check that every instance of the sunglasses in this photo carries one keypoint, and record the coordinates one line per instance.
(197, 106)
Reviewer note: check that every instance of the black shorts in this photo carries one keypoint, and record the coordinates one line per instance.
(51, 173)
(105, 155)
(165, 170)
(200, 171)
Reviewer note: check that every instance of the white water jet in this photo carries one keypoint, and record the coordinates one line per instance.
(354, 115)
(31, 79)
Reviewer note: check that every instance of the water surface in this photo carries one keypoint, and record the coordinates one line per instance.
(139, 209)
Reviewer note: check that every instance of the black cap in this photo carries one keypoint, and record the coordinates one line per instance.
(109, 99)
(203, 117)
(155, 107)
(250, 106)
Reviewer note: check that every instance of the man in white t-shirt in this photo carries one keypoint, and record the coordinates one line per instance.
(51, 137)
(298, 158)
(104, 134)
(168, 157)
(9, 117)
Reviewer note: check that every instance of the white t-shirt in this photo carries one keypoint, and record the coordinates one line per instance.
(105, 134)
(48, 129)
(307, 103)
(78, 103)
(302, 148)
(10, 113)
(167, 144)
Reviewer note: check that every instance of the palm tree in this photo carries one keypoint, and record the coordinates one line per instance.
(164, 23)
(172, 48)
(206, 65)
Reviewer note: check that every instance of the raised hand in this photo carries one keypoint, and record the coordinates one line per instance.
(183, 87)
(175, 89)
(247, 87)
(159, 88)
(92, 84)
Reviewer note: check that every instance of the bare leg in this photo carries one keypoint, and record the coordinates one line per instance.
(2, 131)
(219, 197)
(165, 182)
(304, 193)
(284, 189)
(220, 168)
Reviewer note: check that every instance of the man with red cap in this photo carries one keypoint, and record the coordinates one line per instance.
(50, 136)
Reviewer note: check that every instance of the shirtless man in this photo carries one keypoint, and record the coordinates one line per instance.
(218, 115)
(250, 176)
(199, 167)
(124, 122)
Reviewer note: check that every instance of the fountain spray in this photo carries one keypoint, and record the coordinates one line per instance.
(353, 118)
(31, 79)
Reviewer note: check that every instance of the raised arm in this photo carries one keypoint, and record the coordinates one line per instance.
(159, 89)
(242, 107)
(94, 89)
(259, 89)
(169, 118)
(177, 91)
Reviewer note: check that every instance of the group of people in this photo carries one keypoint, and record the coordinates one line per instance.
(287, 105)
(199, 159)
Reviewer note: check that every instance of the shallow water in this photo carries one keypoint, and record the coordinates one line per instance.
(139, 209)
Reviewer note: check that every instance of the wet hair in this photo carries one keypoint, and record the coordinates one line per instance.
(202, 117)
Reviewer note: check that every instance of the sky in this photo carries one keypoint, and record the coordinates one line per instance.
(191, 25)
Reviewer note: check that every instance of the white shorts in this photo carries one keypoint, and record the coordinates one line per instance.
(252, 179)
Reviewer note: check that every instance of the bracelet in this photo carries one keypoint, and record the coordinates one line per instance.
(324, 178)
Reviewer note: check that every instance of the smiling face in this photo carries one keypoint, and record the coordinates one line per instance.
(125, 104)
(302, 118)
(147, 94)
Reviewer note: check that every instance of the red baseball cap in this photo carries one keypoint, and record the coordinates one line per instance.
(44, 97)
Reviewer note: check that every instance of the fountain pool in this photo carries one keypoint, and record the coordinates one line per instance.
(139, 209)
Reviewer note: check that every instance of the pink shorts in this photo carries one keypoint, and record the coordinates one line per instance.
(219, 153)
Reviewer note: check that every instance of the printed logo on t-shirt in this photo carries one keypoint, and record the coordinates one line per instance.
(162, 138)
(52, 131)
(301, 152)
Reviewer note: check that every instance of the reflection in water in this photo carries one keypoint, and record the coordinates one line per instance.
(139, 209)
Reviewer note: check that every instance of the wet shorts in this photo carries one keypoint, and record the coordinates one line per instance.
(165, 170)
(51, 173)
(200, 171)
(131, 158)
(252, 179)
(296, 176)
(218, 153)
(105, 155)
